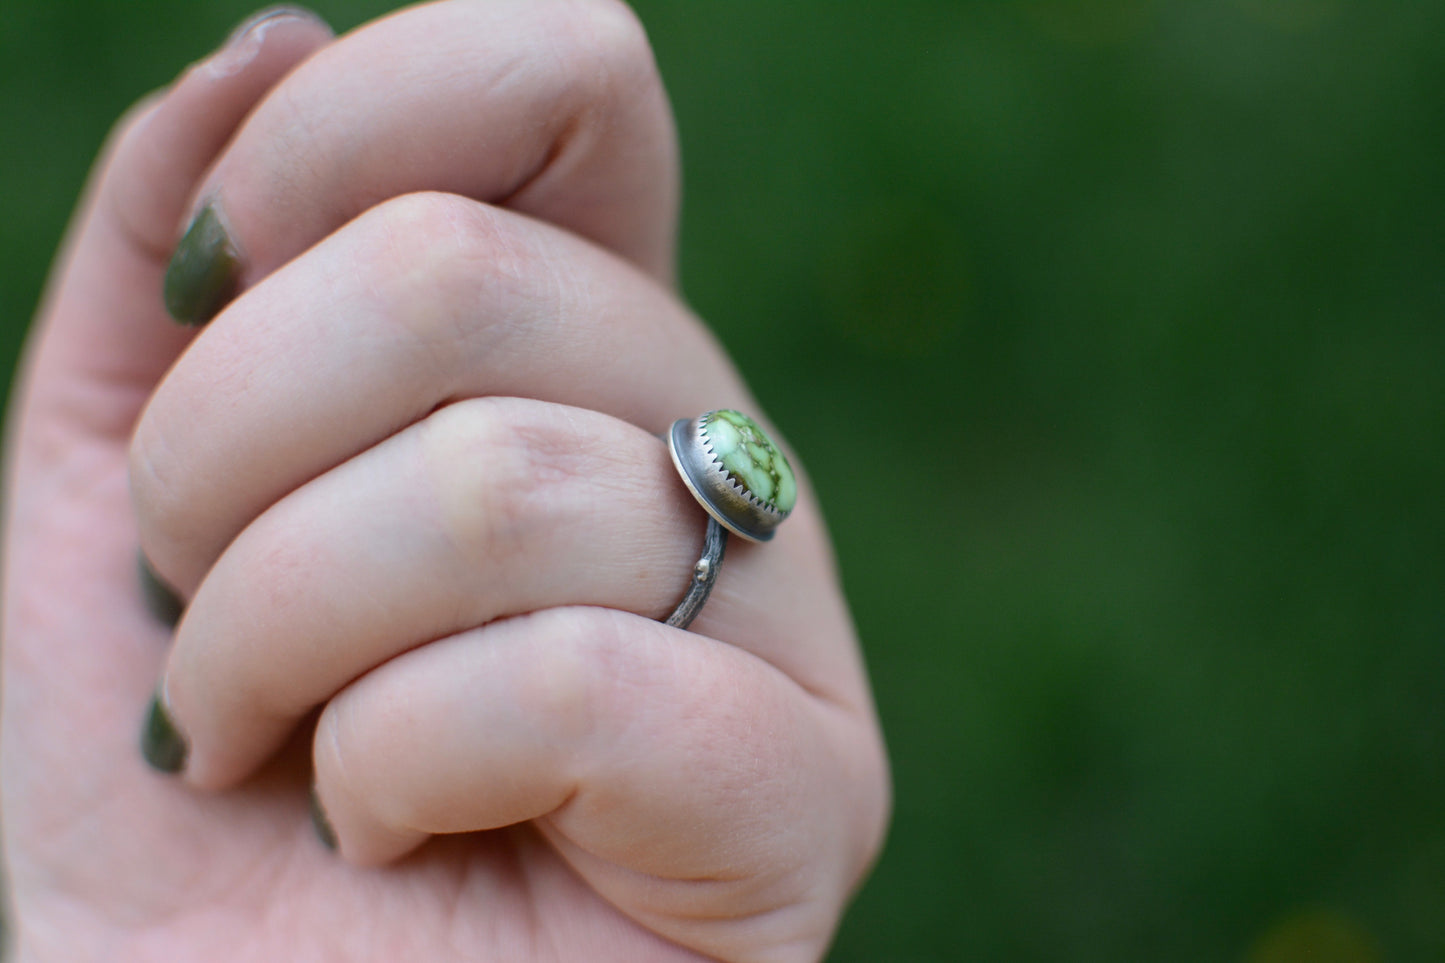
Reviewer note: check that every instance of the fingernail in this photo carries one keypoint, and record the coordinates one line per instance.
(163, 604)
(260, 21)
(205, 271)
(246, 41)
(160, 743)
(321, 824)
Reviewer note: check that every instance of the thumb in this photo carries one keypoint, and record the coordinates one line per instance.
(102, 337)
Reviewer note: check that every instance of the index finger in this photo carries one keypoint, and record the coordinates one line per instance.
(551, 107)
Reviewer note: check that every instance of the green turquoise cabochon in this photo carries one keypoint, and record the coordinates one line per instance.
(734, 471)
(751, 459)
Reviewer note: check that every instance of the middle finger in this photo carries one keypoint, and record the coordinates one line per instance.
(423, 300)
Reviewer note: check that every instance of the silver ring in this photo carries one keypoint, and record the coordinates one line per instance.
(740, 478)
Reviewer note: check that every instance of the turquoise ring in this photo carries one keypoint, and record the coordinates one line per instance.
(740, 478)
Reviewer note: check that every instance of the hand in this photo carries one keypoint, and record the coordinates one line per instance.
(410, 478)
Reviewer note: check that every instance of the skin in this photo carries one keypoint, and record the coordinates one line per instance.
(411, 487)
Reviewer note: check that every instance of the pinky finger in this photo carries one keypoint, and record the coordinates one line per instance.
(694, 786)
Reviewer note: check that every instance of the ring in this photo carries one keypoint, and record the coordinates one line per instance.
(740, 478)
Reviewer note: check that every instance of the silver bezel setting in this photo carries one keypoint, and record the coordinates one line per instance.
(720, 494)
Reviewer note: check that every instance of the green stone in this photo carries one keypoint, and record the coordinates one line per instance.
(751, 458)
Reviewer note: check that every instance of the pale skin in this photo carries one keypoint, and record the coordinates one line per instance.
(411, 486)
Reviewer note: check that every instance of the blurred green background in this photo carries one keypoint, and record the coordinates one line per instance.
(1112, 332)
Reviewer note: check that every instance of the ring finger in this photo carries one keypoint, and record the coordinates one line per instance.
(487, 508)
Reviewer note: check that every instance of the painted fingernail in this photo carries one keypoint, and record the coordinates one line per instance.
(321, 824)
(160, 743)
(205, 271)
(162, 603)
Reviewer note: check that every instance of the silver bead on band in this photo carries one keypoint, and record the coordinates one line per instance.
(704, 574)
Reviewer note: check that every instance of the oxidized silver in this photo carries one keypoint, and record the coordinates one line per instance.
(736, 508)
(704, 574)
(728, 503)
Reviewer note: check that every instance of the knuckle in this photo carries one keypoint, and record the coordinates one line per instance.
(614, 31)
(492, 467)
(580, 677)
(441, 265)
(410, 225)
(612, 40)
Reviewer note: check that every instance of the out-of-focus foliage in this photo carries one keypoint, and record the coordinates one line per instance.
(1112, 335)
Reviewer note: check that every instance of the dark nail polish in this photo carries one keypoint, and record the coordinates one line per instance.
(321, 824)
(160, 743)
(162, 603)
(205, 272)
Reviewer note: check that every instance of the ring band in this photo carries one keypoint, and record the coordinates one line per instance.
(704, 574)
(740, 478)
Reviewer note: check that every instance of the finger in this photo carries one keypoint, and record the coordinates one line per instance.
(553, 108)
(488, 508)
(692, 785)
(420, 301)
(104, 338)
